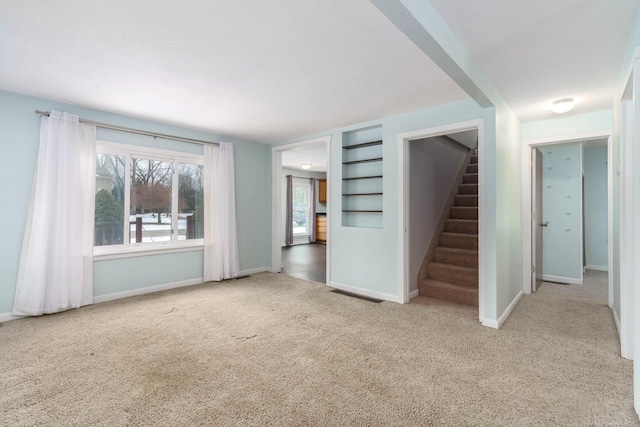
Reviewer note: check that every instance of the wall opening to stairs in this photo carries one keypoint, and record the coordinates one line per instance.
(441, 190)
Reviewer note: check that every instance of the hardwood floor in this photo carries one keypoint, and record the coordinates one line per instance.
(306, 262)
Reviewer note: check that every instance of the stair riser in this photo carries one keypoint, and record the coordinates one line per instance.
(472, 168)
(470, 178)
(466, 227)
(468, 189)
(474, 160)
(467, 200)
(460, 241)
(463, 260)
(452, 275)
(458, 212)
(461, 295)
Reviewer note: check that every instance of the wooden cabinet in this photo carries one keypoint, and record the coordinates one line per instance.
(321, 228)
(322, 191)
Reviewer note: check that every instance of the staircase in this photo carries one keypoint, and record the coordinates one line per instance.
(453, 273)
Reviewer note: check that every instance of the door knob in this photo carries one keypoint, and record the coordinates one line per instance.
(544, 224)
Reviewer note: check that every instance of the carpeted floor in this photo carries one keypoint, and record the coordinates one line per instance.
(274, 350)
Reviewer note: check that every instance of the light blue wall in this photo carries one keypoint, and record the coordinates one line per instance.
(561, 126)
(19, 135)
(562, 209)
(507, 211)
(595, 207)
(367, 258)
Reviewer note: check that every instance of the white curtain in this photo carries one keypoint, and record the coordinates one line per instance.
(56, 264)
(220, 234)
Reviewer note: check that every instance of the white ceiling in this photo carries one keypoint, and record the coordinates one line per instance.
(314, 154)
(269, 71)
(535, 52)
(265, 71)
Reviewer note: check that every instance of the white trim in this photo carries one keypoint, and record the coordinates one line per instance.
(146, 290)
(527, 144)
(610, 277)
(497, 324)
(572, 137)
(253, 271)
(561, 279)
(276, 201)
(597, 267)
(616, 320)
(414, 293)
(144, 250)
(627, 326)
(6, 317)
(365, 292)
(404, 205)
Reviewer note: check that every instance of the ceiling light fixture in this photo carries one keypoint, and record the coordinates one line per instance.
(562, 105)
(305, 165)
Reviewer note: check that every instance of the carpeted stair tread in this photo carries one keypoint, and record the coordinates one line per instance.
(464, 226)
(472, 168)
(470, 178)
(466, 200)
(474, 160)
(468, 189)
(459, 240)
(464, 212)
(453, 273)
(456, 256)
(449, 291)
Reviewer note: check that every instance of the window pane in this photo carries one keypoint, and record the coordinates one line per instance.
(300, 209)
(109, 211)
(190, 202)
(150, 211)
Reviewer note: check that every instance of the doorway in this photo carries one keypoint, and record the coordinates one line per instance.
(300, 214)
(405, 226)
(561, 224)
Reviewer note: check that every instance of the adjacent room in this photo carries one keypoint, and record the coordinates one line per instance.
(366, 212)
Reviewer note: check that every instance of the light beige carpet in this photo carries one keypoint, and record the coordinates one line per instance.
(274, 350)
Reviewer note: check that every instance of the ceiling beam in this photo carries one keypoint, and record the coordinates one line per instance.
(426, 29)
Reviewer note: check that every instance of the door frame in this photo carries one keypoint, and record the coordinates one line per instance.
(404, 206)
(535, 222)
(527, 238)
(276, 201)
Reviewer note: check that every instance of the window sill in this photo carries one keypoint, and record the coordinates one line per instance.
(105, 253)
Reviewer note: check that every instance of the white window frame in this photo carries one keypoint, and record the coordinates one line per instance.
(128, 249)
(301, 182)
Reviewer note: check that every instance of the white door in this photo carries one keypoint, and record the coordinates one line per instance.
(537, 221)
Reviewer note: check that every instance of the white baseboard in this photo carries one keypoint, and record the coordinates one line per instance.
(147, 290)
(5, 317)
(495, 324)
(560, 279)
(598, 267)
(414, 293)
(253, 271)
(365, 292)
(616, 319)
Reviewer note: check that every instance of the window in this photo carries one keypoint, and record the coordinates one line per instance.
(161, 191)
(301, 198)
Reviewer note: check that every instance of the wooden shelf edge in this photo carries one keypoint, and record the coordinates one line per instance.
(363, 145)
(363, 194)
(377, 159)
(354, 210)
(362, 177)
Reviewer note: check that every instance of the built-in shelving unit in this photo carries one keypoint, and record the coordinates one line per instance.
(362, 178)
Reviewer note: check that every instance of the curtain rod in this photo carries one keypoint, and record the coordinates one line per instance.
(138, 131)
